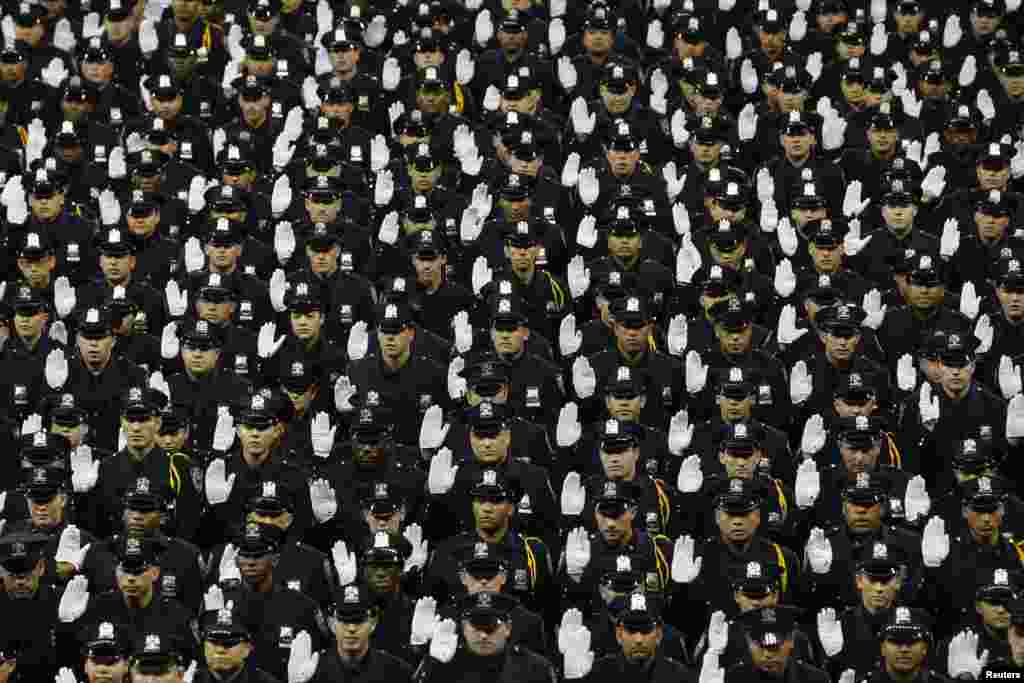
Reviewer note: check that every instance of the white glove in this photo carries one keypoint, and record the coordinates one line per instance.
(1015, 417)
(830, 632)
(906, 373)
(747, 125)
(195, 259)
(380, 155)
(588, 187)
(281, 197)
(952, 32)
(266, 345)
(74, 600)
(815, 63)
(572, 619)
(853, 206)
(424, 621)
(934, 543)
(659, 93)
(788, 333)
(343, 393)
(984, 331)
(798, 27)
(678, 331)
(65, 675)
(968, 71)
(786, 234)
(391, 74)
(571, 170)
(801, 384)
(718, 633)
(85, 470)
(482, 200)
(56, 369)
(765, 185)
(819, 551)
(696, 373)
(879, 11)
(583, 120)
(808, 481)
(970, 302)
(278, 289)
(58, 330)
(685, 567)
(879, 40)
(556, 35)
(733, 44)
(322, 498)
(578, 658)
(420, 548)
(949, 245)
(853, 243)
(177, 299)
(465, 68)
(726, 5)
(833, 133)
(574, 496)
(196, 192)
(311, 100)
(227, 569)
(813, 438)
(149, 41)
(456, 382)
(769, 216)
(691, 477)
(482, 274)
(384, 188)
(358, 341)
(64, 298)
(344, 563)
(284, 241)
(584, 379)
(388, 233)
(1009, 378)
(492, 98)
(569, 338)
(445, 640)
(673, 183)
(985, 105)
(785, 279)
(569, 430)
(463, 332)
(484, 28)
(91, 26)
(54, 73)
(169, 342)
(928, 407)
(441, 476)
(70, 548)
(218, 483)
(433, 428)
(688, 260)
(578, 273)
(376, 32)
(471, 224)
(916, 501)
(302, 661)
(964, 658)
(568, 77)
(934, 183)
(577, 552)
(873, 309)
(681, 217)
(321, 433)
(655, 35)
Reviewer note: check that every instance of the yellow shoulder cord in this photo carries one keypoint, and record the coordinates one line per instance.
(460, 99)
(207, 37)
(783, 503)
(664, 508)
(651, 344)
(556, 291)
(23, 135)
(1019, 547)
(175, 478)
(896, 460)
(531, 560)
(782, 565)
(660, 562)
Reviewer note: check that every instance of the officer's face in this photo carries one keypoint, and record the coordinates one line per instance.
(254, 111)
(522, 259)
(904, 658)
(429, 268)
(840, 348)
(925, 296)
(141, 431)
(113, 669)
(301, 399)
(37, 270)
(95, 352)
(826, 259)
(383, 578)
(993, 178)
(625, 409)
(956, 380)
(747, 602)
(486, 642)
(625, 247)
(117, 269)
(876, 593)
(306, 325)
(323, 262)
(388, 522)
(802, 215)
(432, 100)
(509, 341)
(738, 527)
(395, 346)
(614, 522)
(222, 658)
(199, 361)
(732, 410)
(30, 327)
(597, 40)
(623, 163)
(492, 514)
(144, 225)
(705, 154)
(214, 311)
(771, 43)
(848, 408)
(483, 583)
(137, 586)
(22, 586)
(632, 338)
(859, 459)
(490, 448)
(734, 342)
(798, 146)
(1015, 636)
(990, 228)
(344, 59)
(171, 441)
(619, 463)
(185, 10)
(1011, 298)
(354, 637)
(47, 513)
(223, 258)
(173, 675)
(739, 464)
(257, 442)
(771, 659)
(46, 208)
(995, 615)
(255, 570)
(862, 517)
(984, 525)
(639, 645)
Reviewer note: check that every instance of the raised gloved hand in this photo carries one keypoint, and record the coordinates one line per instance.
(985, 105)
(583, 120)
(833, 133)
(433, 428)
(916, 501)
(578, 273)
(419, 548)
(70, 548)
(985, 333)
(577, 552)
(934, 184)
(344, 563)
(950, 244)
(177, 299)
(970, 302)
(278, 289)
(322, 498)
(690, 477)
(696, 373)
(681, 218)
(853, 205)
(813, 438)
(465, 67)
(952, 32)
(584, 379)
(787, 332)
(56, 370)
(322, 435)
(572, 619)
(302, 661)
(819, 551)
(814, 65)
(906, 373)
(769, 216)
(853, 243)
(785, 278)
(483, 28)
(218, 483)
(445, 641)
(588, 187)
(556, 35)
(482, 274)
(685, 567)
(680, 432)
(391, 74)
(65, 675)
(873, 309)
(673, 183)
(569, 338)
(655, 34)
(574, 496)
(934, 543)
(571, 170)
(968, 72)
(928, 406)
(266, 345)
(358, 341)
(74, 600)
(64, 297)
(284, 242)
(343, 393)
(659, 95)
(441, 476)
(1015, 417)
(963, 657)
(718, 633)
(786, 234)
(747, 124)
(808, 482)
(58, 330)
(678, 332)
(568, 78)
(733, 44)
(830, 632)
(85, 470)
(54, 73)
(1009, 378)
(801, 384)
(424, 621)
(169, 343)
(568, 430)
(798, 27)
(688, 260)
(577, 657)
(879, 40)
(195, 259)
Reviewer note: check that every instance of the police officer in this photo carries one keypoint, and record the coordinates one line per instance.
(227, 649)
(106, 653)
(158, 657)
(770, 635)
(991, 620)
(905, 645)
(34, 600)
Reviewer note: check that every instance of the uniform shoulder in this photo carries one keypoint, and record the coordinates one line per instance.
(389, 661)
